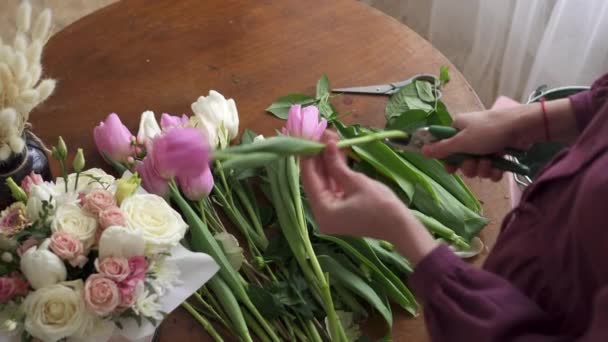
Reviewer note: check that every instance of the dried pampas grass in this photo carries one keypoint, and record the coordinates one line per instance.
(21, 88)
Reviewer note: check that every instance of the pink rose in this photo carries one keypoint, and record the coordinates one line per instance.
(27, 244)
(111, 216)
(68, 248)
(138, 266)
(29, 180)
(98, 201)
(101, 295)
(114, 268)
(12, 286)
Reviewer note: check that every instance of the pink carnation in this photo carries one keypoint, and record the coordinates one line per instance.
(114, 268)
(12, 286)
(111, 216)
(98, 200)
(68, 248)
(101, 295)
(138, 266)
(32, 179)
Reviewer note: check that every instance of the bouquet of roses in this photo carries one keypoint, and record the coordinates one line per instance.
(88, 257)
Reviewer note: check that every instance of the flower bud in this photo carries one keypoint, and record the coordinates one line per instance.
(126, 187)
(16, 191)
(9, 325)
(78, 162)
(62, 149)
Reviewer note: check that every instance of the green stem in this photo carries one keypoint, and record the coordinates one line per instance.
(203, 321)
(255, 326)
(372, 137)
(313, 334)
(293, 175)
(209, 307)
(64, 173)
(76, 183)
(249, 208)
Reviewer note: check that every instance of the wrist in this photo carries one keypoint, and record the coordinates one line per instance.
(527, 126)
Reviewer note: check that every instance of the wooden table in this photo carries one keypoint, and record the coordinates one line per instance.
(161, 55)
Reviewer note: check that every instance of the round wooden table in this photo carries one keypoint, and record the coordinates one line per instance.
(139, 55)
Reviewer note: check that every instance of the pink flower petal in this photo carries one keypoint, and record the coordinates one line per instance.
(310, 121)
(294, 120)
(320, 129)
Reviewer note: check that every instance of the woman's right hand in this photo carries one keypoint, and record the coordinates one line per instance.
(485, 132)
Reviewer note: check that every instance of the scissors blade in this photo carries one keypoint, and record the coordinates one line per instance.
(379, 89)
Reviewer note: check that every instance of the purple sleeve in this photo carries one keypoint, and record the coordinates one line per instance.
(463, 303)
(587, 103)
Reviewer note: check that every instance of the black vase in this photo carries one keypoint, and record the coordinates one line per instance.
(33, 158)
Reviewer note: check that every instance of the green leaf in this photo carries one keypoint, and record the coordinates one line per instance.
(248, 136)
(451, 182)
(280, 108)
(416, 103)
(397, 104)
(388, 163)
(444, 74)
(425, 91)
(390, 257)
(394, 288)
(357, 285)
(322, 87)
(267, 303)
(326, 109)
(409, 121)
(440, 116)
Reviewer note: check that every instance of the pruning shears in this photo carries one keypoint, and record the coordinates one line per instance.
(426, 135)
(390, 88)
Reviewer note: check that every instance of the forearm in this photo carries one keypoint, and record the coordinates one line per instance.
(528, 126)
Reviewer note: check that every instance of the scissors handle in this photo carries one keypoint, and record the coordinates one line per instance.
(445, 132)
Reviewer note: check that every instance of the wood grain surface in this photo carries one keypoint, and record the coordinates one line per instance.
(160, 55)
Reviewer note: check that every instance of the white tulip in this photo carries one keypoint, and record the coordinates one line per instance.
(221, 114)
(148, 127)
(122, 242)
(259, 137)
(41, 267)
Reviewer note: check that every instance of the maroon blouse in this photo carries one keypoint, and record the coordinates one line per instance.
(546, 279)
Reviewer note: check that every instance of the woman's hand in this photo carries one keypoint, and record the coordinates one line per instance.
(345, 202)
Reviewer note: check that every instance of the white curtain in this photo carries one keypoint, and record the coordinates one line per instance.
(510, 47)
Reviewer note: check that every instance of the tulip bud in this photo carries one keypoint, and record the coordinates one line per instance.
(198, 187)
(126, 187)
(387, 245)
(62, 149)
(42, 268)
(304, 123)
(231, 248)
(8, 326)
(78, 162)
(16, 191)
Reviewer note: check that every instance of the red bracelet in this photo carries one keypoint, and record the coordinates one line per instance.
(545, 119)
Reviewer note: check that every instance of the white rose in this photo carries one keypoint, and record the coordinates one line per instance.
(162, 226)
(41, 267)
(215, 111)
(70, 218)
(56, 312)
(148, 127)
(88, 181)
(122, 242)
(40, 193)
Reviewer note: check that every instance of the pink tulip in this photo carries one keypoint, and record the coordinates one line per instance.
(180, 153)
(151, 181)
(113, 138)
(199, 187)
(304, 123)
(168, 121)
